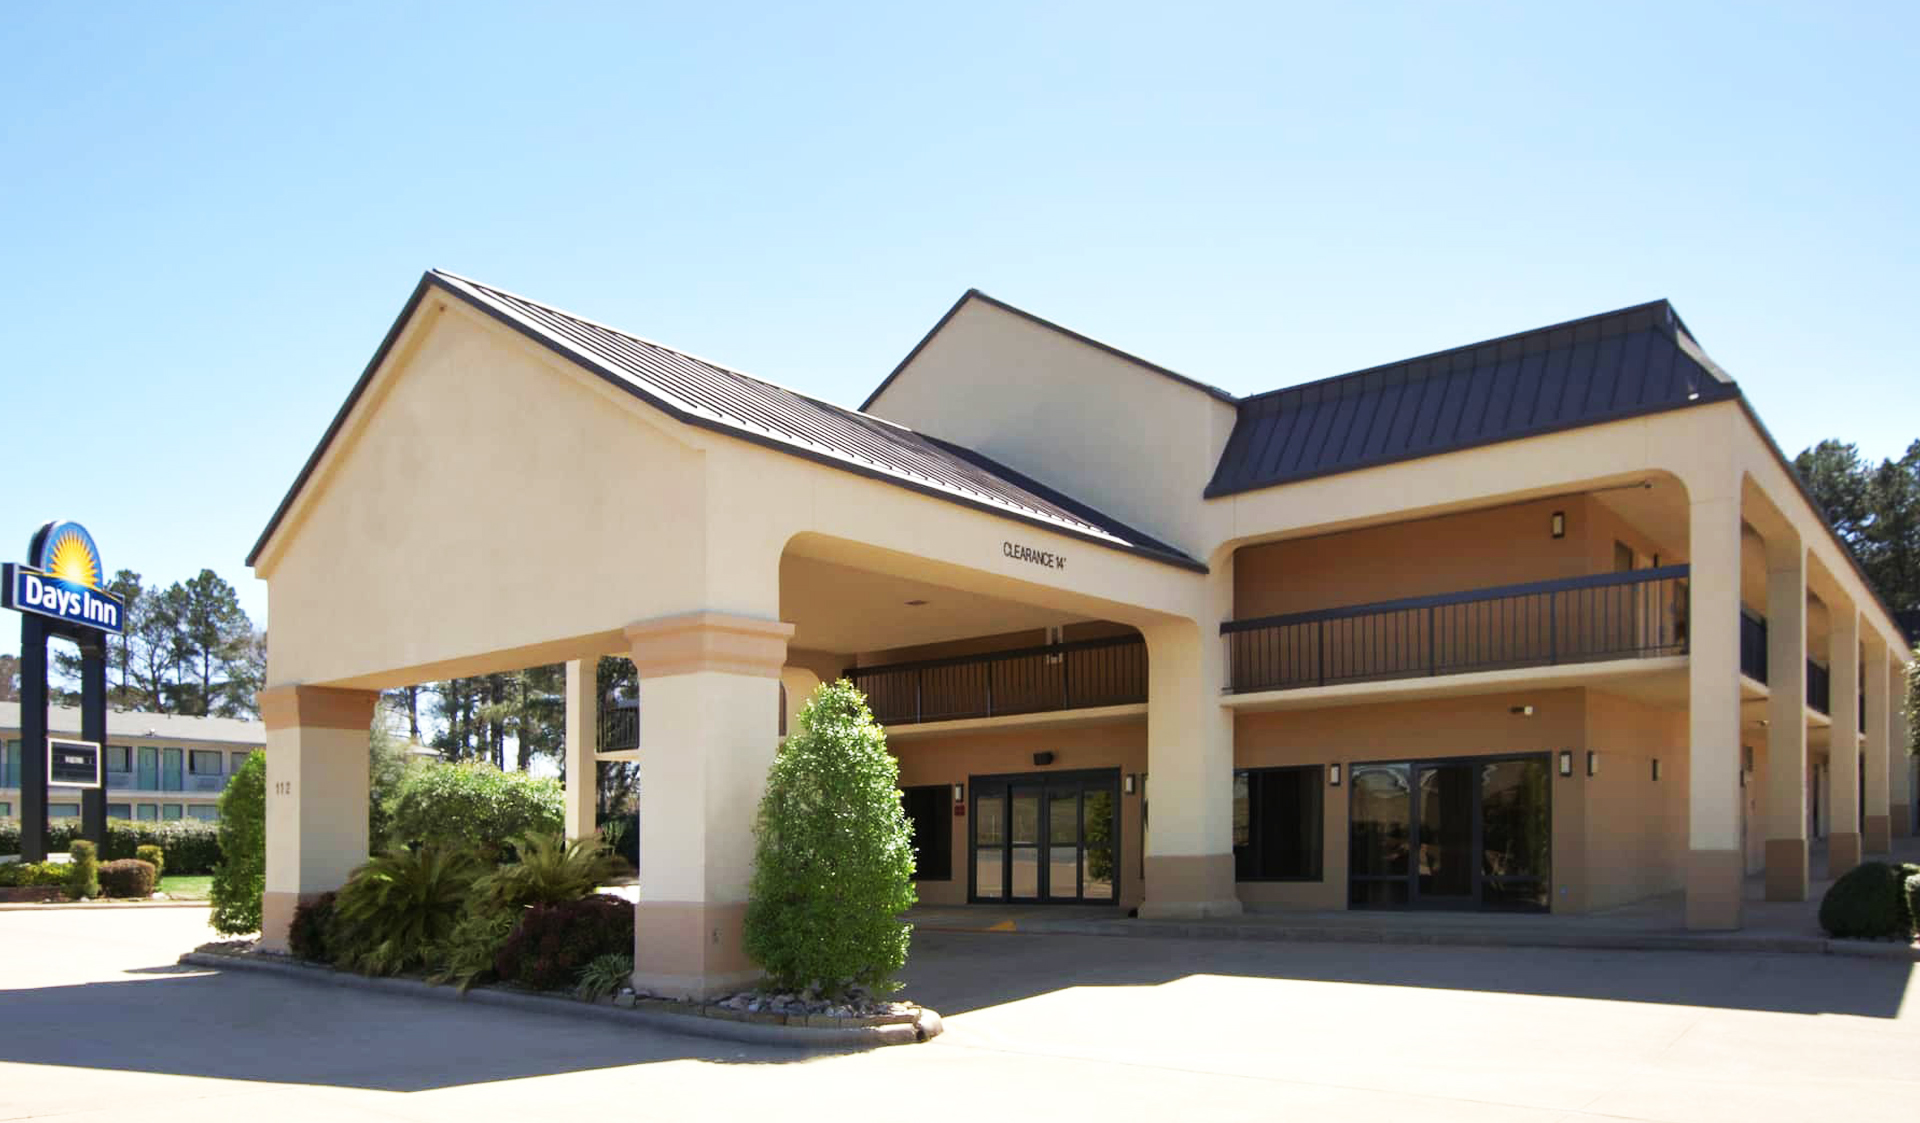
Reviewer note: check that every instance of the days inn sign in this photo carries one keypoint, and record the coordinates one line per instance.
(63, 580)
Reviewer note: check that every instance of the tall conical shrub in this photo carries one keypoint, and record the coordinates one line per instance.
(833, 856)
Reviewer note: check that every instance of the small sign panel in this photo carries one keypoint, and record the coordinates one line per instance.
(73, 764)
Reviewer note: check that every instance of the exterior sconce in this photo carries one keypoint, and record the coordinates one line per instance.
(1593, 763)
(1656, 770)
(959, 793)
(1566, 762)
(1520, 711)
(1126, 783)
(1743, 777)
(1333, 775)
(1042, 759)
(1559, 524)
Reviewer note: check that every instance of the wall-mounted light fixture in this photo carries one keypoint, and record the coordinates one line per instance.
(1126, 783)
(1593, 763)
(1656, 770)
(1333, 775)
(1743, 777)
(1559, 524)
(1566, 762)
(1520, 711)
(1043, 759)
(959, 793)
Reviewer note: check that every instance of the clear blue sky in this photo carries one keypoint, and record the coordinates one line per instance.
(212, 214)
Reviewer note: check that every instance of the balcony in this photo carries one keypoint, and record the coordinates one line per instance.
(1753, 664)
(1633, 615)
(620, 726)
(1061, 676)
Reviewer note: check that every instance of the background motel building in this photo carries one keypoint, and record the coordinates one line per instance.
(158, 766)
(1539, 623)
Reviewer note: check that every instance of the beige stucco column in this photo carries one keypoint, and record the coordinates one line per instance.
(1843, 746)
(583, 741)
(1714, 863)
(709, 719)
(316, 796)
(1878, 757)
(1901, 759)
(1189, 856)
(1785, 808)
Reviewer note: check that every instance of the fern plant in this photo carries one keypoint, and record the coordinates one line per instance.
(550, 870)
(467, 957)
(603, 976)
(396, 912)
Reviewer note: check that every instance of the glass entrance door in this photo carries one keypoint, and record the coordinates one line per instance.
(1457, 834)
(1049, 838)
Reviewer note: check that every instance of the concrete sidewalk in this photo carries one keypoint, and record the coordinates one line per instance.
(1655, 924)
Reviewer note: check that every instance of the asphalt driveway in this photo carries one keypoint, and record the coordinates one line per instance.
(96, 1023)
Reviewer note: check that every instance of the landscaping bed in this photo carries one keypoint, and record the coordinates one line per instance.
(791, 1020)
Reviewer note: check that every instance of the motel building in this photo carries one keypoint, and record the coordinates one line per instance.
(158, 767)
(1543, 623)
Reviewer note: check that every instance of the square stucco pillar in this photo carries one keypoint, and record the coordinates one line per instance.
(1878, 762)
(709, 726)
(1904, 766)
(317, 764)
(1189, 854)
(583, 741)
(1786, 799)
(1843, 747)
(1715, 866)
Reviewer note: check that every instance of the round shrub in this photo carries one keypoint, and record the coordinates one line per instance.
(83, 870)
(1869, 902)
(128, 877)
(472, 804)
(553, 943)
(153, 856)
(307, 934)
(241, 875)
(833, 855)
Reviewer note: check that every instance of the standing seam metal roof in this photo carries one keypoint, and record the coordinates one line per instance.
(1585, 372)
(706, 394)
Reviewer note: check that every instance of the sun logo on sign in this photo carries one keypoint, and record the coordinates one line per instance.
(70, 556)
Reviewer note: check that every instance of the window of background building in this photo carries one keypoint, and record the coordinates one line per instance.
(6, 810)
(170, 811)
(119, 810)
(1276, 824)
(236, 760)
(119, 758)
(203, 762)
(10, 764)
(63, 811)
(206, 812)
(930, 814)
(146, 812)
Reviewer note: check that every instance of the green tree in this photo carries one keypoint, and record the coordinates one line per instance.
(214, 635)
(241, 877)
(833, 854)
(9, 678)
(1875, 510)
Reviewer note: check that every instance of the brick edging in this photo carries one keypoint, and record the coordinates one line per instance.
(924, 1028)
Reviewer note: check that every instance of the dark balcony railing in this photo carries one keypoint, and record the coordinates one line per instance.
(1639, 614)
(1061, 676)
(1819, 688)
(619, 726)
(1753, 646)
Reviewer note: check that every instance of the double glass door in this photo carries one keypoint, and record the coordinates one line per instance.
(1050, 837)
(1462, 834)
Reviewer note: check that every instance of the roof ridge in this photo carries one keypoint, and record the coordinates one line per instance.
(976, 294)
(1563, 325)
(681, 351)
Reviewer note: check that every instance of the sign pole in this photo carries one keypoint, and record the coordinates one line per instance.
(33, 738)
(93, 727)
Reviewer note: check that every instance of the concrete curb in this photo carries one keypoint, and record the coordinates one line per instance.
(1564, 940)
(48, 906)
(927, 1027)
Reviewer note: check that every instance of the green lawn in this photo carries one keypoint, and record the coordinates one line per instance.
(187, 888)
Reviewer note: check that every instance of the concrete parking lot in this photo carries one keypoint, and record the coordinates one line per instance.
(96, 1022)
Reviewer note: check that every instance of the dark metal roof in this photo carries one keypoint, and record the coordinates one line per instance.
(1603, 368)
(714, 397)
(976, 294)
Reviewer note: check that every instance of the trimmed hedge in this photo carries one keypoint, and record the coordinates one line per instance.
(553, 943)
(1870, 902)
(44, 874)
(83, 870)
(153, 856)
(127, 877)
(192, 846)
(472, 804)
